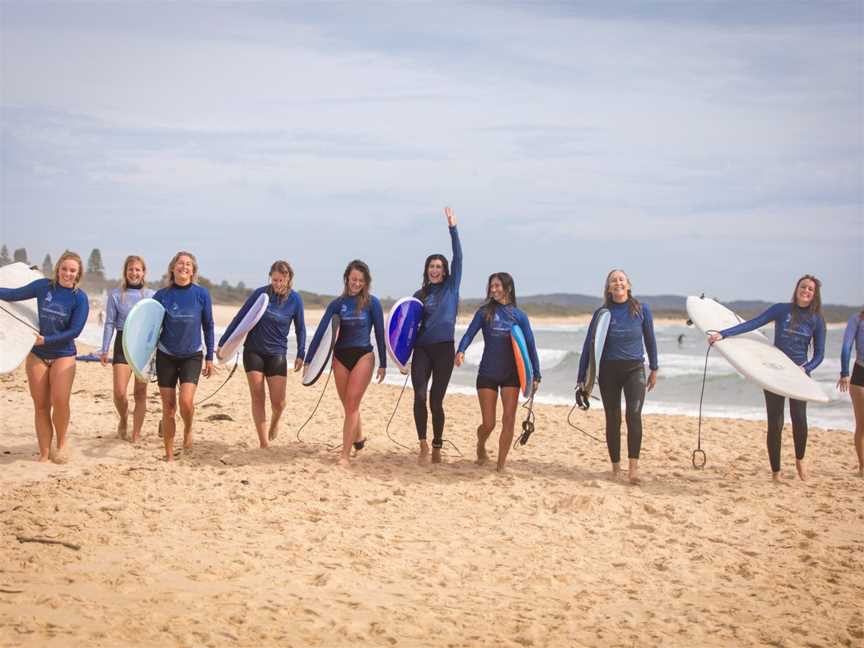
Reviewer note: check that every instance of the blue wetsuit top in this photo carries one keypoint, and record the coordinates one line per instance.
(269, 337)
(442, 302)
(188, 311)
(354, 328)
(118, 307)
(62, 315)
(498, 362)
(793, 341)
(625, 338)
(854, 334)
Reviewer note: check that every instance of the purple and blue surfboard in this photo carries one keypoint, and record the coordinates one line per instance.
(403, 324)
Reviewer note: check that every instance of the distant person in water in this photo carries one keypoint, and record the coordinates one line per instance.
(266, 347)
(622, 367)
(797, 325)
(187, 330)
(353, 362)
(854, 336)
(434, 349)
(681, 340)
(120, 301)
(63, 308)
(497, 370)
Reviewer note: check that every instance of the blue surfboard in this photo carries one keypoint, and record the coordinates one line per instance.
(403, 324)
(523, 361)
(601, 328)
(141, 335)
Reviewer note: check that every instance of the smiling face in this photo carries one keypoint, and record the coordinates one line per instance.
(497, 292)
(134, 273)
(618, 285)
(805, 292)
(435, 271)
(184, 270)
(68, 273)
(279, 282)
(355, 282)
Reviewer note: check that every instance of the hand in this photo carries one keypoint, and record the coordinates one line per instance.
(451, 217)
(103, 359)
(298, 364)
(652, 379)
(40, 340)
(219, 353)
(535, 386)
(843, 384)
(208, 369)
(382, 371)
(714, 337)
(459, 359)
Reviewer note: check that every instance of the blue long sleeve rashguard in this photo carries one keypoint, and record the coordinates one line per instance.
(355, 329)
(854, 334)
(188, 312)
(625, 339)
(793, 339)
(117, 309)
(62, 315)
(269, 336)
(442, 301)
(498, 362)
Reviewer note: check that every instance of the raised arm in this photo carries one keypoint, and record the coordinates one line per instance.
(456, 263)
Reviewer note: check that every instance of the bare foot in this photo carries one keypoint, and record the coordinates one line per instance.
(436, 455)
(802, 470)
(775, 477)
(136, 437)
(121, 428)
(633, 472)
(60, 456)
(187, 440)
(344, 462)
(43, 459)
(263, 445)
(482, 457)
(272, 434)
(861, 471)
(423, 457)
(616, 471)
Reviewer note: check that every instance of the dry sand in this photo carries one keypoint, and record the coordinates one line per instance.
(236, 546)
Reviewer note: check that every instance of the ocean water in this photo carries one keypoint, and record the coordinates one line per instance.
(679, 382)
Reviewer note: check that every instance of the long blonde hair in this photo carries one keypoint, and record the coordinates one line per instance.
(363, 298)
(55, 280)
(124, 282)
(169, 278)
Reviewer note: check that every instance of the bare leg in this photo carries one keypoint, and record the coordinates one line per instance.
(169, 411)
(187, 411)
(40, 391)
(488, 402)
(509, 401)
(633, 472)
(857, 394)
(276, 386)
(121, 373)
(351, 385)
(259, 416)
(62, 374)
(140, 391)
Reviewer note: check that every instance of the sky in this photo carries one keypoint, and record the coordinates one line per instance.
(712, 147)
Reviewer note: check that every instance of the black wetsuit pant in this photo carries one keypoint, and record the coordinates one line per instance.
(627, 376)
(435, 360)
(798, 412)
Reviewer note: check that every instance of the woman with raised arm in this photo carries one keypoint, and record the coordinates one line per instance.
(353, 363)
(265, 350)
(854, 335)
(63, 308)
(622, 367)
(797, 324)
(186, 330)
(497, 370)
(120, 301)
(434, 350)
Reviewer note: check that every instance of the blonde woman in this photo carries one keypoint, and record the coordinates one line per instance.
(50, 366)
(120, 301)
(186, 330)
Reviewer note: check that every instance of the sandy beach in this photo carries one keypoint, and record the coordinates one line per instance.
(234, 545)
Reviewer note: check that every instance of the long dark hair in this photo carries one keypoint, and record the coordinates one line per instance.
(424, 288)
(509, 290)
(815, 307)
(363, 298)
(632, 302)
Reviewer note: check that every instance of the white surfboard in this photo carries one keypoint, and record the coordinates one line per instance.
(238, 336)
(141, 332)
(601, 328)
(19, 321)
(316, 364)
(753, 355)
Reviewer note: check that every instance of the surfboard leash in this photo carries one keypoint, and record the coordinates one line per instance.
(527, 424)
(225, 382)
(699, 452)
(23, 321)
(576, 427)
(390, 420)
(320, 398)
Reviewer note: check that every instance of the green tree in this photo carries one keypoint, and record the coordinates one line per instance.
(95, 268)
(47, 266)
(4, 256)
(20, 255)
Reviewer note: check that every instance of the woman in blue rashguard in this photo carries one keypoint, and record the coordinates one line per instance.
(188, 315)
(353, 362)
(266, 347)
(622, 368)
(50, 365)
(433, 351)
(797, 324)
(854, 335)
(498, 366)
(120, 301)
